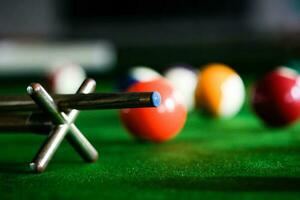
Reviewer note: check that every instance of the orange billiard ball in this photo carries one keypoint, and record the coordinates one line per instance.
(220, 91)
(156, 124)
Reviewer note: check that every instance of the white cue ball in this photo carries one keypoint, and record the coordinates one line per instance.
(143, 73)
(66, 78)
(184, 80)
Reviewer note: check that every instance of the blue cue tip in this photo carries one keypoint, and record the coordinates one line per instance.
(155, 98)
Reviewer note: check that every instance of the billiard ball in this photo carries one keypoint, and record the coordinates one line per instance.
(155, 124)
(220, 91)
(184, 79)
(276, 97)
(137, 74)
(65, 78)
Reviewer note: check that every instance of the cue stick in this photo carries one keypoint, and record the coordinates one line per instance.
(84, 101)
(37, 123)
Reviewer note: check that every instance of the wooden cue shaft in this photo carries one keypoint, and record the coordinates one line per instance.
(22, 122)
(84, 101)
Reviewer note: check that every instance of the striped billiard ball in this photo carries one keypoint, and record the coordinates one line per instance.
(220, 91)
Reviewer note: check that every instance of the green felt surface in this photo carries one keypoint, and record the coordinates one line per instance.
(229, 159)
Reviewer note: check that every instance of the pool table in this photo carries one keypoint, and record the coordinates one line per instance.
(229, 159)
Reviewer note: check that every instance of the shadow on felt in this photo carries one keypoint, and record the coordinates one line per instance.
(14, 167)
(242, 184)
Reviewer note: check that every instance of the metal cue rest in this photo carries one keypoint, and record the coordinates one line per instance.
(40, 113)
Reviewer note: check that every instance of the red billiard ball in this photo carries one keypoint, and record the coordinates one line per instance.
(156, 124)
(276, 97)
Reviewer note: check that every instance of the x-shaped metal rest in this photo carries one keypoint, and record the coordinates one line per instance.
(64, 127)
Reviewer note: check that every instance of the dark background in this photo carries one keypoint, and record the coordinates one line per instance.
(252, 36)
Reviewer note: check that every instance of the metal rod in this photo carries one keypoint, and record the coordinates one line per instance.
(75, 137)
(84, 101)
(44, 155)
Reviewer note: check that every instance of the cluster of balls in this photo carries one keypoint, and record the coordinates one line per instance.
(216, 89)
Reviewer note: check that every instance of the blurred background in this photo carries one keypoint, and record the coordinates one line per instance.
(252, 36)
